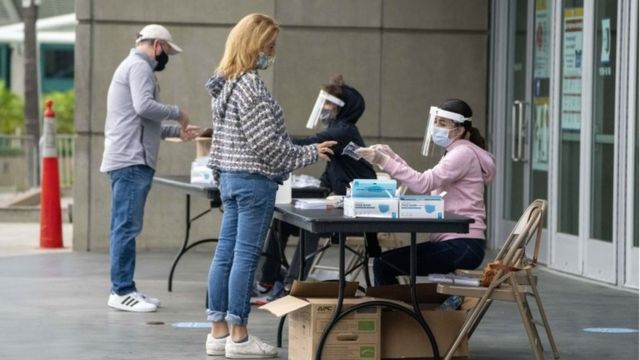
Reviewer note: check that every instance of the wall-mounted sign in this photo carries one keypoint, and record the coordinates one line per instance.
(541, 41)
(571, 104)
(605, 51)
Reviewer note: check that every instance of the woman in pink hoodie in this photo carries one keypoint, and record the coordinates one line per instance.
(463, 172)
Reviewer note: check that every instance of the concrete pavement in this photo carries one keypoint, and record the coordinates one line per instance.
(53, 306)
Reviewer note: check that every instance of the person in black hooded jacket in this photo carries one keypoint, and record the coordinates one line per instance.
(341, 127)
(339, 172)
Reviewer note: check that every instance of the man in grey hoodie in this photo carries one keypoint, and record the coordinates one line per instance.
(133, 131)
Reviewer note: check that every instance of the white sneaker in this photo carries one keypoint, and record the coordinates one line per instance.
(253, 348)
(215, 347)
(149, 299)
(130, 302)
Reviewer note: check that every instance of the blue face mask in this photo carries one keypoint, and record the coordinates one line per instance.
(440, 136)
(264, 61)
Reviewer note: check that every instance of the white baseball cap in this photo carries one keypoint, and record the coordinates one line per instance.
(155, 31)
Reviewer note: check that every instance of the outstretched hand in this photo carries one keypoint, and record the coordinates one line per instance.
(373, 156)
(324, 149)
(189, 132)
(385, 149)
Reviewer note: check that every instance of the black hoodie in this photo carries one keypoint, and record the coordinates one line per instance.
(342, 168)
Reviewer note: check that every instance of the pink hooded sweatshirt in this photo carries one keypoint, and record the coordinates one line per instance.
(463, 173)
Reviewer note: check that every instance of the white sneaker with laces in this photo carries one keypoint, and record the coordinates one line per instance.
(131, 302)
(215, 347)
(254, 348)
(149, 299)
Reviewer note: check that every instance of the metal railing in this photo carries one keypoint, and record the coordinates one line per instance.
(18, 159)
(66, 151)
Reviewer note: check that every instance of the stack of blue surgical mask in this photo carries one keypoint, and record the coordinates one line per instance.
(373, 188)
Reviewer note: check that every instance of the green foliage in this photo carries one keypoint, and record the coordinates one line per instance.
(64, 105)
(11, 111)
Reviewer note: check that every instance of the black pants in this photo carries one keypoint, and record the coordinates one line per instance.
(439, 257)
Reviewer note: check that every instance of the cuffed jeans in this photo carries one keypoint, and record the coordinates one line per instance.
(129, 189)
(441, 257)
(248, 201)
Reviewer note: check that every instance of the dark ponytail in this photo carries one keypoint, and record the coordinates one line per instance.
(460, 107)
(475, 136)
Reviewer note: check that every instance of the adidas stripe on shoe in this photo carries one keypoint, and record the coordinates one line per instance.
(149, 299)
(131, 302)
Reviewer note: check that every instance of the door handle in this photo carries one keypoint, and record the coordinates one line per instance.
(521, 126)
(515, 142)
(517, 122)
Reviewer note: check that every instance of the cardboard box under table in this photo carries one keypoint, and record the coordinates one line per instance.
(311, 306)
(402, 337)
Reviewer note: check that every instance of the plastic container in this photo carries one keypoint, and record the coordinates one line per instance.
(451, 303)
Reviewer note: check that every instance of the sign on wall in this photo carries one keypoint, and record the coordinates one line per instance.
(571, 104)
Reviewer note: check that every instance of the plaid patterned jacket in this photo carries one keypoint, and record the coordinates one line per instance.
(248, 131)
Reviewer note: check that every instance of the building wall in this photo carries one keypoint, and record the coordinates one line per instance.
(403, 55)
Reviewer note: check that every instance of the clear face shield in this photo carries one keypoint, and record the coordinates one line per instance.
(324, 110)
(437, 119)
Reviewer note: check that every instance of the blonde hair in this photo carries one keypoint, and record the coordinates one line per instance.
(244, 43)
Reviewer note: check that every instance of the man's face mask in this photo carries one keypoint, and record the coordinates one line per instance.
(162, 60)
(264, 61)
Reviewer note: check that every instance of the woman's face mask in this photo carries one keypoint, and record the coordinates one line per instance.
(264, 61)
(327, 115)
(440, 136)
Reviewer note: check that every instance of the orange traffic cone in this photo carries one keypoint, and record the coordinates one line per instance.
(50, 214)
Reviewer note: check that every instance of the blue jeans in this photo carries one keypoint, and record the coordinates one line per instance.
(248, 201)
(129, 189)
(440, 257)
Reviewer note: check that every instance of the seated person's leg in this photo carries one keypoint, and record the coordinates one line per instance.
(433, 257)
(310, 246)
(275, 251)
(373, 247)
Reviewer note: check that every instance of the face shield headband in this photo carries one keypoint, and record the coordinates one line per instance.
(428, 147)
(324, 103)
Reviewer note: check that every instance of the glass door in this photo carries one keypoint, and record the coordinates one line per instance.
(566, 248)
(633, 159)
(600, 254)
(631, 278)
(584, 213)
(526, 149)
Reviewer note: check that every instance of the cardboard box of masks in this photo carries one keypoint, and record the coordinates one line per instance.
(421, 207)
(310, 306)
(371, 207)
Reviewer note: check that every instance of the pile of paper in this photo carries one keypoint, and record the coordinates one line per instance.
(310, 204)
(453, 279)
